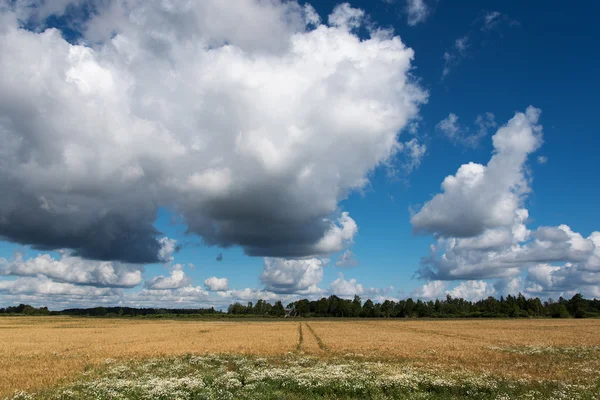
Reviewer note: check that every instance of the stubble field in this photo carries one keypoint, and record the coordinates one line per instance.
(534, 358)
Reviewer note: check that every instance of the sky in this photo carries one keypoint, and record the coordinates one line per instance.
(194, 154)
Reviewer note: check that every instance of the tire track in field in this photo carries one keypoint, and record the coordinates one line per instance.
(300, 338)
(322, 345)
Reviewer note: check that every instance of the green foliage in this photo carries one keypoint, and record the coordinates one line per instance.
(334, 306)
(298, 377)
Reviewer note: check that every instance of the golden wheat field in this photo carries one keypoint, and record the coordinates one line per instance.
(41, 352)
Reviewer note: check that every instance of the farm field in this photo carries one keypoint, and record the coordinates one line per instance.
(60, 357)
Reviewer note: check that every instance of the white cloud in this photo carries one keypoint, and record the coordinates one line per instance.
(343, 288)
(346, 17)
(482, 197)
(472, 290)
(71, 269)
(415, 152)
(512, 286)
(542, 159)
(338, 236)
(450, 127)
(251, 121)
(462, 44)
(430, 290)
(176, 280)
(480, 224)
(45, 286)
(292, 276)
(417, 11)
(249, 294)
(176, 297)
(491, 20)
(167, 248)
(215, 284)
(455, 55)
(346, 260)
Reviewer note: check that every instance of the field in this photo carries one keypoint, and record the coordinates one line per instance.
(59, 357)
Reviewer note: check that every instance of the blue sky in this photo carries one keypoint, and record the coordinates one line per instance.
(490, 60)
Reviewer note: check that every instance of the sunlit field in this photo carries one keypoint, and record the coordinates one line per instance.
(57, 357)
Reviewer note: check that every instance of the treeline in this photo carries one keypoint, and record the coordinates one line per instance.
(137, 312)
(334, 306)
(509, 307)
(25, 309)
(262, 308)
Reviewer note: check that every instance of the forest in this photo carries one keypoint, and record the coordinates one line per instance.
(505, 307)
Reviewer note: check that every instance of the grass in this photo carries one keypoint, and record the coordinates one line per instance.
(296, 377)
(38, 354)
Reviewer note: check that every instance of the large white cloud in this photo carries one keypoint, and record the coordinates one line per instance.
(43, 291)
(472, 290)
(292, 276)
(480, 222)
(177, 279)
(481, 197)
(251, 119)
(70, 269)
(345, 288)
(215, 284)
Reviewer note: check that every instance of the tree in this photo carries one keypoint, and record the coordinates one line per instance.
(577, 306)
(409, 307)
(356, 306)
(558, 310)
(302, 307)
(368, 309)
(278, 310)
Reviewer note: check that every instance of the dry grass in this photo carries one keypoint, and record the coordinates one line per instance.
(42, 352)
(565, 350)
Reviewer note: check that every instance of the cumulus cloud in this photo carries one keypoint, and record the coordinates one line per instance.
(417, 11)
(75, 270)
(504, 287)
(292, 276)
(346, 260)
(46, 286)
(215, 284)
(346, 17)
(457, 134)
(42, 291)
(183, 296)
(430, 290)
(345, 288)
(562, 262)
(177, 279)
(250, 120)
(473, 290)
(480, 220)
(482, 197)
(542, 159)
(249, 294)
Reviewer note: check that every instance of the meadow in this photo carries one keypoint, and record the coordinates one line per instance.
(63, 357)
